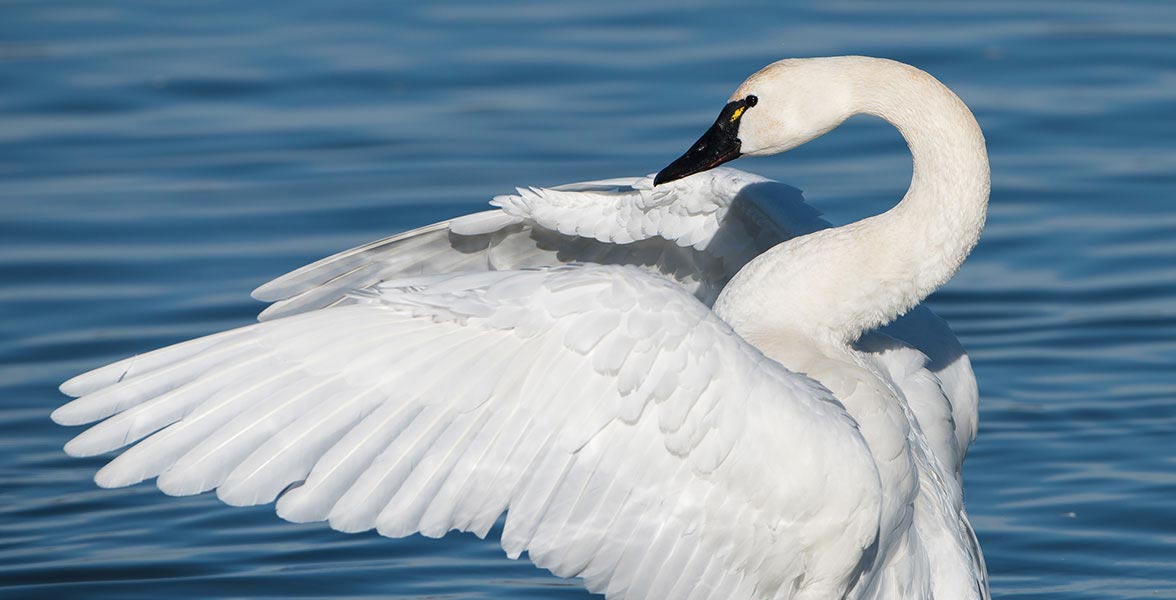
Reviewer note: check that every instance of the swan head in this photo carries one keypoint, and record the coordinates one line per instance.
(780, 107)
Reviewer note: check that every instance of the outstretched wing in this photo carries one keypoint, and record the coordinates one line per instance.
(698, 231)
(634, 438)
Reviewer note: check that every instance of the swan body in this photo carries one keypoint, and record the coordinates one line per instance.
(687, 386)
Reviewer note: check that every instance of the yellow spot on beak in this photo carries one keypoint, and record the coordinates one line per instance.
(738, 113)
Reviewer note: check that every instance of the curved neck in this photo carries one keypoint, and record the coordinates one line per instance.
(932, 230)
(843, 282)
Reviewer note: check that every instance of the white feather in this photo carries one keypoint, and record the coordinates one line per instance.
(606, 364)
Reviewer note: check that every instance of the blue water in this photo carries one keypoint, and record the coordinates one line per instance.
(159, 160)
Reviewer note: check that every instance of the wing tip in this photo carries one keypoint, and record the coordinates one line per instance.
(83, 445)
(270, 291)
(71, 387)
(91, 381)
(175, 482)
(273, 311)
(240, 496)
(62, 416)
(112, 476)
(346, 524)
(293, 507)
(72, 414)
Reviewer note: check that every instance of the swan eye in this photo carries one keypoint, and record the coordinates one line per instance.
(751, 100)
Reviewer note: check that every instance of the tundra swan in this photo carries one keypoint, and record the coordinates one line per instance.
(681, 387)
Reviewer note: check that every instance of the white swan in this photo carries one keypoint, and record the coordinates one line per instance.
(642, 440)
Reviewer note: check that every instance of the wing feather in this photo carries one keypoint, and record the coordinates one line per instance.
(105, 377)
(698, 231)
(343, 464)
(440, 402)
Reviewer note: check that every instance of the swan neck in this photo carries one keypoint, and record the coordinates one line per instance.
(918, 245)
(950, 178)
(840, 283)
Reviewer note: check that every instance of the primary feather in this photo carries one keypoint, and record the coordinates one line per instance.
(380, 426)
(555, 359)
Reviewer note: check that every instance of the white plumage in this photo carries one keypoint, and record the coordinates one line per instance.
(559, 359)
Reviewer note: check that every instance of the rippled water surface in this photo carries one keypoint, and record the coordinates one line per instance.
(159, 160)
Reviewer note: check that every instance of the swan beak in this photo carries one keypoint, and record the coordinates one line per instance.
(718, 145)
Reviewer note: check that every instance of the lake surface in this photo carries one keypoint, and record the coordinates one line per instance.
(160, 160)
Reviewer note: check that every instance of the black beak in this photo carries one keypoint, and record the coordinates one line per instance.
(718, 145)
